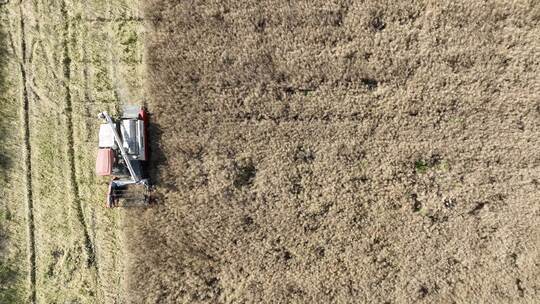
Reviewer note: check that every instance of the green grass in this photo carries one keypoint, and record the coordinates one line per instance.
(9, 291)
(421, 166)
(434, 163)
(12, 223)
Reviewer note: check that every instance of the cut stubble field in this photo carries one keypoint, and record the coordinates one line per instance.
(64, 62)
(350, 152)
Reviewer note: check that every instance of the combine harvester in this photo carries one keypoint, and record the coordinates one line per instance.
(122, 153)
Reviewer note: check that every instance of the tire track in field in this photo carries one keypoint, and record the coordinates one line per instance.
(28, 164)
(89, 246)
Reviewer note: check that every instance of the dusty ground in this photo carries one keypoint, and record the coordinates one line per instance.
(367, 152)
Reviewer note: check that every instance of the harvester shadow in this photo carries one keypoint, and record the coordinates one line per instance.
(157, 158)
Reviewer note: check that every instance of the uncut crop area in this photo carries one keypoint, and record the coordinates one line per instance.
(341, 152)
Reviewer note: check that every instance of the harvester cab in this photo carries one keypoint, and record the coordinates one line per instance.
(123, 150)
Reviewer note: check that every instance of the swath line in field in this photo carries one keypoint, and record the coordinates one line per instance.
(89, 246)
(28, 165)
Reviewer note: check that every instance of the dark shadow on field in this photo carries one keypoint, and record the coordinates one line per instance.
(156, 155)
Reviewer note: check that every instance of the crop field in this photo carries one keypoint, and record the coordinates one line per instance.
(341, 152)
(302, 151)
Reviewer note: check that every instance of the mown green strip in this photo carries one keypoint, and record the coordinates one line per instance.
(13, 267)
